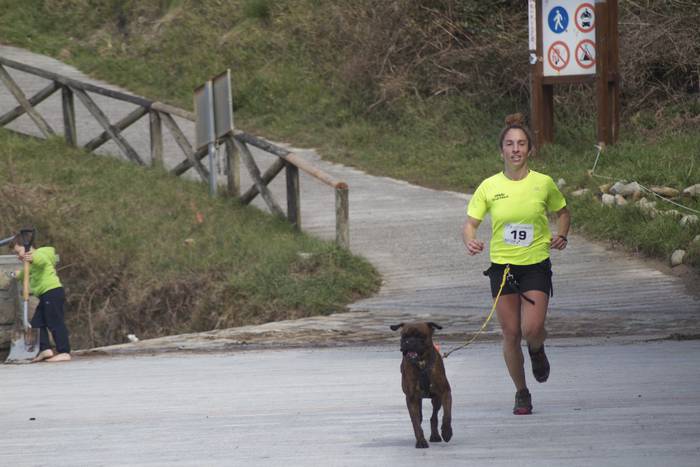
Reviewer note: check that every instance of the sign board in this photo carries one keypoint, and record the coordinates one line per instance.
(223, 104)
(204, 111)
(568, 37)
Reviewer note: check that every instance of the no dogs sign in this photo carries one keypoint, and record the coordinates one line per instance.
(568, 37)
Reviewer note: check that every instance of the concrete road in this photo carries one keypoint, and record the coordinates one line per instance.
(605, 405)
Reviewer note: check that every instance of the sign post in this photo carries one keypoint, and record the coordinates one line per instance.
(573, 41)
(214, 114)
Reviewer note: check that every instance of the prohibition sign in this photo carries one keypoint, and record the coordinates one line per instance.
(585, 20)
(558, 55)
(585, 53)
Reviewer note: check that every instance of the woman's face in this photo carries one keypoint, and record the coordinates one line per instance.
(514, 149)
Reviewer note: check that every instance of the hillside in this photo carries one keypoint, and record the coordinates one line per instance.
(415, 90)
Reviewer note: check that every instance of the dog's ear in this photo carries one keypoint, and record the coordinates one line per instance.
(394, 327)
(434, 325)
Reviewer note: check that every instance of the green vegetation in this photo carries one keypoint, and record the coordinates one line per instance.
(413, 89)
(151, 254)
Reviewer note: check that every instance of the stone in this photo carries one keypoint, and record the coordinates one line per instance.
(696, 239)
(605, 188)
(608, 200)
(620, 200)
(671, 213)
(665, 191)
(693, 190)
(646, 205)
(689, 219)
(580, 192)
(677, 257)
(561, 183)
(625, 189)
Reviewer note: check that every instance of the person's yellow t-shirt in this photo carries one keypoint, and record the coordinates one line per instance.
(42, 271)
(520, 232)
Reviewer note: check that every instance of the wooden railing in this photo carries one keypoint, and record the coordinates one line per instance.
(236, 143)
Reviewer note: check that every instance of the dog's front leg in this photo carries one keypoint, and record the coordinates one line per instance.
(434, 435)
(446, 416)
(415, 411)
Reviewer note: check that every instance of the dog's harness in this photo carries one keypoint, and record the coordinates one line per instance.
(425, 367)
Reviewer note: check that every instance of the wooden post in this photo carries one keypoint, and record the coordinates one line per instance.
(342, 215)
(614, 69)
(70, 131)
(156, 128)
(602, 61)
(541, 95)
(233, 166)
(293, 195)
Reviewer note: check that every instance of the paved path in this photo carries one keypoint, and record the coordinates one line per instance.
(413, 236)
(609, 405)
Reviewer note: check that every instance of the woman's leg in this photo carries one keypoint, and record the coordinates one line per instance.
(533, 318)
(508, 312)
(535, 333)
(53, 305)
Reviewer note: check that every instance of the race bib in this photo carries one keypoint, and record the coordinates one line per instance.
(518, 234)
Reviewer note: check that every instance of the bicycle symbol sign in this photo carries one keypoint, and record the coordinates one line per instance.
(558, 55)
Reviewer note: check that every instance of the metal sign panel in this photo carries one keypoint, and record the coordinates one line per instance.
(204, 111)
(223, 104)
(568, 37)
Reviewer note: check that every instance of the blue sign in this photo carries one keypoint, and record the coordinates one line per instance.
(558, 19)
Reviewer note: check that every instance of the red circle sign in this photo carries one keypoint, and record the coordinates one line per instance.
(585, 53)
(585, 17)
(558, 55)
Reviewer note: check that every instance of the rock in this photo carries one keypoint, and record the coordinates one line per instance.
(580, 192)
(665, 191)
(646, 205)
(677, 257)
(693, 190)
(561, 183)
(636, 196)
(620, 200)
(608, 200)
(625, 189)
(696, 239)
(132, 338)
(671, 213)
(189, 241)
(605, 188)
(689, 219)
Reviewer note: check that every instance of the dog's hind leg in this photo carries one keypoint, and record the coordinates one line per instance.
(434, 435)
(415, 410)
(447, 416)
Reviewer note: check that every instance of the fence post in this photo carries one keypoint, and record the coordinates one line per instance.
(156, 127)
(293, 195)
(70, 131)
(233, 166)
(342, 214)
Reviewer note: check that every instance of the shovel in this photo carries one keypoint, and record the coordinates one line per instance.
(25, 339)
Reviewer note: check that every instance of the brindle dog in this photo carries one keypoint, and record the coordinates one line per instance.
(423, 377)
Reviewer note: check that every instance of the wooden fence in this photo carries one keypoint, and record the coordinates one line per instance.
(236, 143)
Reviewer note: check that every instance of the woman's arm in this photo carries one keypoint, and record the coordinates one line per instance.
(473, 245)
(559, 240)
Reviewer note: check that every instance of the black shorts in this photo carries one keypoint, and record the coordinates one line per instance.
(529, 277)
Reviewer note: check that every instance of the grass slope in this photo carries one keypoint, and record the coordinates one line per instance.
(146, 253)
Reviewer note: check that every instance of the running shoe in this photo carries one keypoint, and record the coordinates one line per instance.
(540, 364)
(523, 403)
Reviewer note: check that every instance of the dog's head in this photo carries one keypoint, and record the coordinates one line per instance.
(416, 339)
